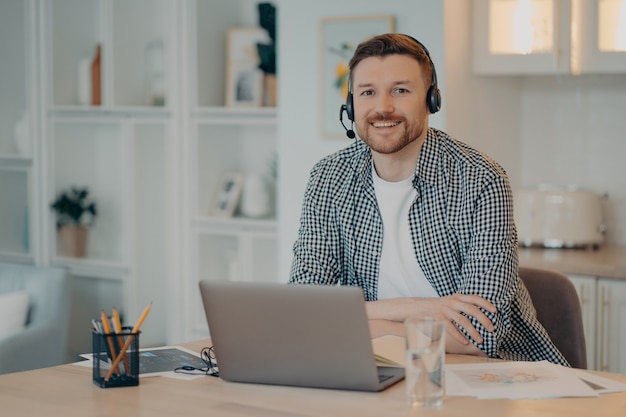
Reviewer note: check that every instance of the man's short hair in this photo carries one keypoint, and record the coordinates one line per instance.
(392, 44)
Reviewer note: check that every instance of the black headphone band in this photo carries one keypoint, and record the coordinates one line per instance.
(433, 72)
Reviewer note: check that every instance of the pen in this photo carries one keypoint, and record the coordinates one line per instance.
(128, 341)
(117, 326)
(107, 332)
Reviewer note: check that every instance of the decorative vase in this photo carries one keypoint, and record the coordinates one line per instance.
(21, 135)
(96, 77)
(255, 199)
(74, 240)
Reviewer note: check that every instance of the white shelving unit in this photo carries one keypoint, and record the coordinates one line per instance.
(120, 149)
(220, 140)
(18, 112)
(153, 166)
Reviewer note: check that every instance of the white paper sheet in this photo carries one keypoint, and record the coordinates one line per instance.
(515, 380)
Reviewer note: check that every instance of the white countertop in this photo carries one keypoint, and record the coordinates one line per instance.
(607, 261)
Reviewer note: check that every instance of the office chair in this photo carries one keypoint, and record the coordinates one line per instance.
(558, 310)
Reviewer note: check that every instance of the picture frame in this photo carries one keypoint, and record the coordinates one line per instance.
(244, 79)
(339, 37)
(227, 195)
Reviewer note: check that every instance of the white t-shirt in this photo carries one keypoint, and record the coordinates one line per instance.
(400, 274)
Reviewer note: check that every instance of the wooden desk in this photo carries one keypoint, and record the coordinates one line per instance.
(67, 391)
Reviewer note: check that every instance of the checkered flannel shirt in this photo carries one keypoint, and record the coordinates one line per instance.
(461, 226)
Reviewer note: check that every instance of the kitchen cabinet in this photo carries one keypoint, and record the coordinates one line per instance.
(603, 304)
(524, 37)
(521, 36)
(600, 46)
(611, 352)
(586, 289)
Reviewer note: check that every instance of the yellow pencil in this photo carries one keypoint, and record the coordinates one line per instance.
(128, 341)
(117, 325)
(107, 332)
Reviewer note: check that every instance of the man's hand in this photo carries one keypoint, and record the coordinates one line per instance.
(449, 308)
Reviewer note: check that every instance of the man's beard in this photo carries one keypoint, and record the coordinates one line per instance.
(392, 144)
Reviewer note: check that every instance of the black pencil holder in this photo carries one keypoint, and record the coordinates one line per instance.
(107, 349)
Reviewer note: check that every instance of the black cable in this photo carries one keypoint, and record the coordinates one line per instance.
(207, 354)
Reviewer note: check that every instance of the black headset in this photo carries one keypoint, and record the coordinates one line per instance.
(433, 95)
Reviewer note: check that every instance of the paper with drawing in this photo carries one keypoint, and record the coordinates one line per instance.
(517, 380)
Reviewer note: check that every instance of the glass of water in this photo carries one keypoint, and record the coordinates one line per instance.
(425, 357)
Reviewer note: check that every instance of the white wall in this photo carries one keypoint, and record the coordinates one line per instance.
(574, 133)
(300, 143)
(484, 112)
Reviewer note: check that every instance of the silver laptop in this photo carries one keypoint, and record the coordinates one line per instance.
(299, 335)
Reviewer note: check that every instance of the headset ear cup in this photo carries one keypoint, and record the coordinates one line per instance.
(350, 106)
(433, 99)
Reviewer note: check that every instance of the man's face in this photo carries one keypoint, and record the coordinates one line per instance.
(390, 102)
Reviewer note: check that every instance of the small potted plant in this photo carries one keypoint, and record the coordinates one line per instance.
(75, 213)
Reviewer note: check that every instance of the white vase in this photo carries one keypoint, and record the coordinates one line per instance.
(256, 198)
(21, 135)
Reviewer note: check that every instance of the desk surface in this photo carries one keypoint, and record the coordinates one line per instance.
(67, 390)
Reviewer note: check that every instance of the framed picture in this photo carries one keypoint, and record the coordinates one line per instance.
(228, 194)
(244, 80)
(339, 37)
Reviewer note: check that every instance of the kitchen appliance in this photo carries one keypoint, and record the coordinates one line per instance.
(555, 216)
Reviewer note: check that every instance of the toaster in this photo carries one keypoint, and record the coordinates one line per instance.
(555, 216)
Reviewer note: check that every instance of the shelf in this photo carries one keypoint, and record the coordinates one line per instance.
(16, 257)
(235, 116)
(212, 224)
(93, 268)
(102, 112)
(15, 161)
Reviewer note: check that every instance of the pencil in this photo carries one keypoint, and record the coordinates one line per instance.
(128, 341)
(117, 325)
(107, 332)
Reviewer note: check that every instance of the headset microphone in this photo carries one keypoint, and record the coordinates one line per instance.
(349, 132)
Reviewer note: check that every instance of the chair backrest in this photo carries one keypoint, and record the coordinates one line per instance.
(558, 310)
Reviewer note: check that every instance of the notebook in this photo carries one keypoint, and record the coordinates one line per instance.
(296, 335)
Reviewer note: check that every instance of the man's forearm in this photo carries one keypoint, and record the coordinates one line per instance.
(387, 327)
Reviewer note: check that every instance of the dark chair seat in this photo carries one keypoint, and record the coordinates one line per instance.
(558, 310)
